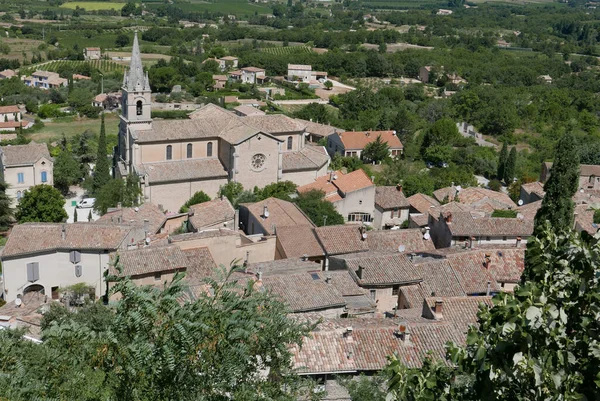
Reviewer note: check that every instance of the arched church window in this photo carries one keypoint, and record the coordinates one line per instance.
(138, 108)
(190, 149)
(209, 149)
(289, 143)
(169, 152)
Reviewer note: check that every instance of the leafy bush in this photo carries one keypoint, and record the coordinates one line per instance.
(511, 214)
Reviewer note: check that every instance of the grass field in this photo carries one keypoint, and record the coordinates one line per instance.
(93, 5)
(72, 126)
(19, 45)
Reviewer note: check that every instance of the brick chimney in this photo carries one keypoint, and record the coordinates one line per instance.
(487, 261)
(439, 308)
(360, 272)
(399, 187)
(518, 241)
(449, 218)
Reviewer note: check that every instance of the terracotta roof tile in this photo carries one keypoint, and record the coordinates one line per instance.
(390, 240)
(370, 268)
(473, 195)
(445, 194)
(24, 154)
(31, 238)
(211, 213)
(534, 188)
(135, 216)
(9, 109)
(201, 264)
(149, 260)
(472, 274)
(274, 123)
(390, 197)
(341, 239)
(281, 214)
(308, 158)
(297, 241)
(183, 170)
(465, 225)
(359, 139)
(318, 129)
(422, 202)
(353, 181)
(529, 210)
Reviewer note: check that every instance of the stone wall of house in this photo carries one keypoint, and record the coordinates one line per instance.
(173, 195)
(381, 217)
(244, 171)
(157, 152)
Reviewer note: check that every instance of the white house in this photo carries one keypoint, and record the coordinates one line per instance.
(24, 166)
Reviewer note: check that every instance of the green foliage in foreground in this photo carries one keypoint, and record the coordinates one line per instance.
(540, 343)
(41, 203)
(198, 197)
(157, 344)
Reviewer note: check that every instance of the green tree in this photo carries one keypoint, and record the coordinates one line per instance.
(418, 184)
(198, 197)
(126, 192)
(328, 84)
(232, 191)
(438, 153)
(41, 203)
(376, 151)
(6, 211)
(101, 169)
(442, 132)
(66, 171)
(511, 166)
(281, 190)
(502, 160)
(557, 205)
(320, 211)
(122, 40)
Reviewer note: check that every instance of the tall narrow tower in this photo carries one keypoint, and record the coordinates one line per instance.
(136, 102)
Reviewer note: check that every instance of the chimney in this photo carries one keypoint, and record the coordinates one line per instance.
(487, 261)
(63, 233)
(399, 187)
(403, 332)
(146, 226)
(328, 279)
(304, 257)
(412, 256)
(449, 218)
(247, 260)
(360, 272)
(368, 134)
(489, 288)
(439, 307)
(265, 212)
(348, 333)
(518, 241)
(471, 240)
(236, 219)
(259, 276)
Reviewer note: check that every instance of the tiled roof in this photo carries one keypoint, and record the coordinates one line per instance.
(422, 202)
(323, 184)
(201, 264)
(440, 279)
(360, 139)
(308, 158)
(143, 261)
(473, 195)
(221, 232)
(328, 349)
(304, 292)
(584, 219)
(465, 224)
(183, 170)
(460, 311)
(9, 109)
(11, 124)
(43, 237)
(299, 67)
(445, 194)
(585, 170)
(343, 281)
(534, 188)
(472, 274)
(274, 123)
(370, 268)
(341, 239)
(421, 220)
(228, 58)
(92, 48)
(297, 241)
(390, 240)
(281, 214)
(246, 110)
(318, 129)
(15, 155)
(8, 73)
(135, 216)
(253, 69)
(353, 181)
(529, 210)
(219, 77)
(212, 212)
(282, 267)
(47, 74)
(391, 197)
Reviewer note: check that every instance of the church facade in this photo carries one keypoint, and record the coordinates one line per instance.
(176, 158)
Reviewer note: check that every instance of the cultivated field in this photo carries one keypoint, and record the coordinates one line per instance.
(18, 46)
(93, 5)
(72, 126)
(286, 50)
(55, 66)
(235, 7)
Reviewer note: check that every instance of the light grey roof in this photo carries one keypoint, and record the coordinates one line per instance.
(182, 170)
(134, 79)
(150, 260)
(309, 158)
(275, 123)
(16, 155)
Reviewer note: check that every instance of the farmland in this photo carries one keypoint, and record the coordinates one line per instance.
(93, 5)
(284, 50)
(70, 126)
(235, 7)
(55, 66)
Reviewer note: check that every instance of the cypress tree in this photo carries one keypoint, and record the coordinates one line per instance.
(90, 218)
(101, 170)
(75, 215)
(502, 161)
(511, 166)
(6, 212)
(558, 206)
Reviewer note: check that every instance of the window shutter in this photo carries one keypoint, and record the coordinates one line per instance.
(78, 270)
(33, 271)
(75, 257)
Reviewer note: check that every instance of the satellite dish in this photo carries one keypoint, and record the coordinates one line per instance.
(520, 202)
(426, 236)
(18, 301)
(401, 248)
(364, 235)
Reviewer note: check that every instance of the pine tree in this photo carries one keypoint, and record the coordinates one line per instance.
(557, 206)
(511, 166)
(101, 170)
(502, 161)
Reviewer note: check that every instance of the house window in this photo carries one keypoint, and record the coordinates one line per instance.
(392, 212)
(44, 176)
(33, 272)
(138, 108)
(156, 276)
(360, 202)
(290, 142)
(190, 149)
(373, 294)
(395, 290)
(359, 217)
(503, 238)
(21, 178)
(209, 149)
(169, 152)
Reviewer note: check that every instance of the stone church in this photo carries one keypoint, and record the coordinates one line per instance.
(176, 158)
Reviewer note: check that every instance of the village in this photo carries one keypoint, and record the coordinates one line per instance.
(401, 274)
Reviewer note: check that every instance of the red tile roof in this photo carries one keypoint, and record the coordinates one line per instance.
(281, 214)
(359, 139)
(376, 269)
(297, 241)
(390, 240)
(211, 213)
(344, 183)
(9, 109)
(423, 203)
(391, 197)
(341, 239)
(473, 195)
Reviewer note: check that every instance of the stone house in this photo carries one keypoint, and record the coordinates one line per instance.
(92, 53)
(267, 216)
(46, 257)
(391, 207)
(177, 158)
(45, 80)
(249, 75)
(531, 192)
(217, 213)
(7, 74)
(147, 216)
(589, 176)
(220, 81)
(352, 143)
(228, 62)
(24, 166)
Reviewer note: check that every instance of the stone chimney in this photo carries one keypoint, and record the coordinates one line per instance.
(448, 218)
(146, 226)
(439, 309)
(489, 288)
(519, 239)
(399, 187)
(63, 232)
(360, 272)
(471, 240)
(348, 334)
(487, 261)
(265, 212)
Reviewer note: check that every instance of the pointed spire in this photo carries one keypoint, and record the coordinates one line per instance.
(134, 79)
